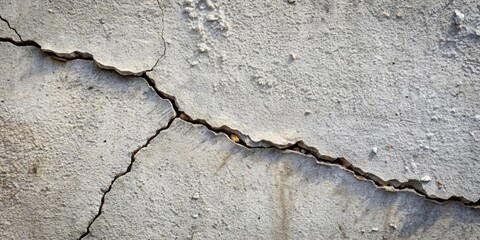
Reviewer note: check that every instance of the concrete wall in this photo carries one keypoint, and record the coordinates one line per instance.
(204, 119)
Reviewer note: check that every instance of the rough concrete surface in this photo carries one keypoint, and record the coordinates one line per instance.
(348, 78)
(347, 119)
(193, 184)
(124, 35)
(66, 129)
(6, 31)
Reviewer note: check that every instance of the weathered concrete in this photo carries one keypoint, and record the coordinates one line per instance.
(7, 32)
(348, 78)
(390, 86)
(125, 35)
(66, 129)
(190, 183)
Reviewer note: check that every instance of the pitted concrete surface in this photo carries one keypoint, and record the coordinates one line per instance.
(376, 102)
(391, 87)
(66, 130)
(6, 31)
(206, 187)
(122, 35)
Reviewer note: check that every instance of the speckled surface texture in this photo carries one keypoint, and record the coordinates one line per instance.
(66, 129)
(347, 119)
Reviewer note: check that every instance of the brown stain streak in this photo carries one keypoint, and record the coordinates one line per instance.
(285, 202)
(223, 163)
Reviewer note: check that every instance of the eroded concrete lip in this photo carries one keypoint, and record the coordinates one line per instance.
(225, 76)
(125, 37)
(246, 138)
(283, 186)
(414, 185)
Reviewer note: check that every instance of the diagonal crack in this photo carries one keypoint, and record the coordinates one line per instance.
(129, 168)
(299, 147)
(12, 28)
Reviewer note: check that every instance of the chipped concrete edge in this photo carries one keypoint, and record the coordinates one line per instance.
(244, 140)
(83, 55)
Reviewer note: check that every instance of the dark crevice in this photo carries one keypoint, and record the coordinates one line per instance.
(299, 147)
(412, 184)
(20, 43)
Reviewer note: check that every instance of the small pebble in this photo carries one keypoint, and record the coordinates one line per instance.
(292, 1)
(375, 150)
(195, 215)
(212, 17)
(203, 49)
(196, 196)
(224, 26)
(374, 229)
(193, 63)
(426, 178)
(293, 56)
(234, 138)
(308, 111)
(393, 225)
(459, 17)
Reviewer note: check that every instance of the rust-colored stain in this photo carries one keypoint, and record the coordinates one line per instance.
(284, 203)
(389, 147)
(224, 162)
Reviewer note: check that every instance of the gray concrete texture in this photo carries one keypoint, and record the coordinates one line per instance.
(206, 187)
(347, 119)
(66, 130)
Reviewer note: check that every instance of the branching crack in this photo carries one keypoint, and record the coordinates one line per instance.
(299, 147)
(302, 148)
